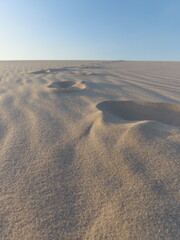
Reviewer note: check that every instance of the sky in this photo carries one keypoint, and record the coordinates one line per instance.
(90, 30)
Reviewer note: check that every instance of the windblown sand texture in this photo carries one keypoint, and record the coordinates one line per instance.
(89, 150)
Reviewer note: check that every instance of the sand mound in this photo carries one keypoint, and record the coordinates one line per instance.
(138, 111)
(135, 164)
(68, 85)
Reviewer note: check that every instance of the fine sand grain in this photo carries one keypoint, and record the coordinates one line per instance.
(89, 150)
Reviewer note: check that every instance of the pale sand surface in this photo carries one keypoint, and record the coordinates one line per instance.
(89, 150)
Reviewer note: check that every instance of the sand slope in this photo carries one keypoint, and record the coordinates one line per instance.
(89, 150)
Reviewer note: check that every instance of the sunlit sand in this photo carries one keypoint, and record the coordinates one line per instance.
(89, 150)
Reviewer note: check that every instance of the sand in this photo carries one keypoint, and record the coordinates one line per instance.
(89, 150)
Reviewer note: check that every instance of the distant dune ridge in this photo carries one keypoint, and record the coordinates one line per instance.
(89, 150)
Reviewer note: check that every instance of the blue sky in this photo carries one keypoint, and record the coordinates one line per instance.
(90, 29)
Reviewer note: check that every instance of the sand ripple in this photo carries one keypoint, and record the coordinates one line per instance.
(76, 166)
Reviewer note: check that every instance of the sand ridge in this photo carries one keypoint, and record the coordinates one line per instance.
(100, 161)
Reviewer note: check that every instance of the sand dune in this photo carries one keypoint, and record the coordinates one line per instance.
(89, 150)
